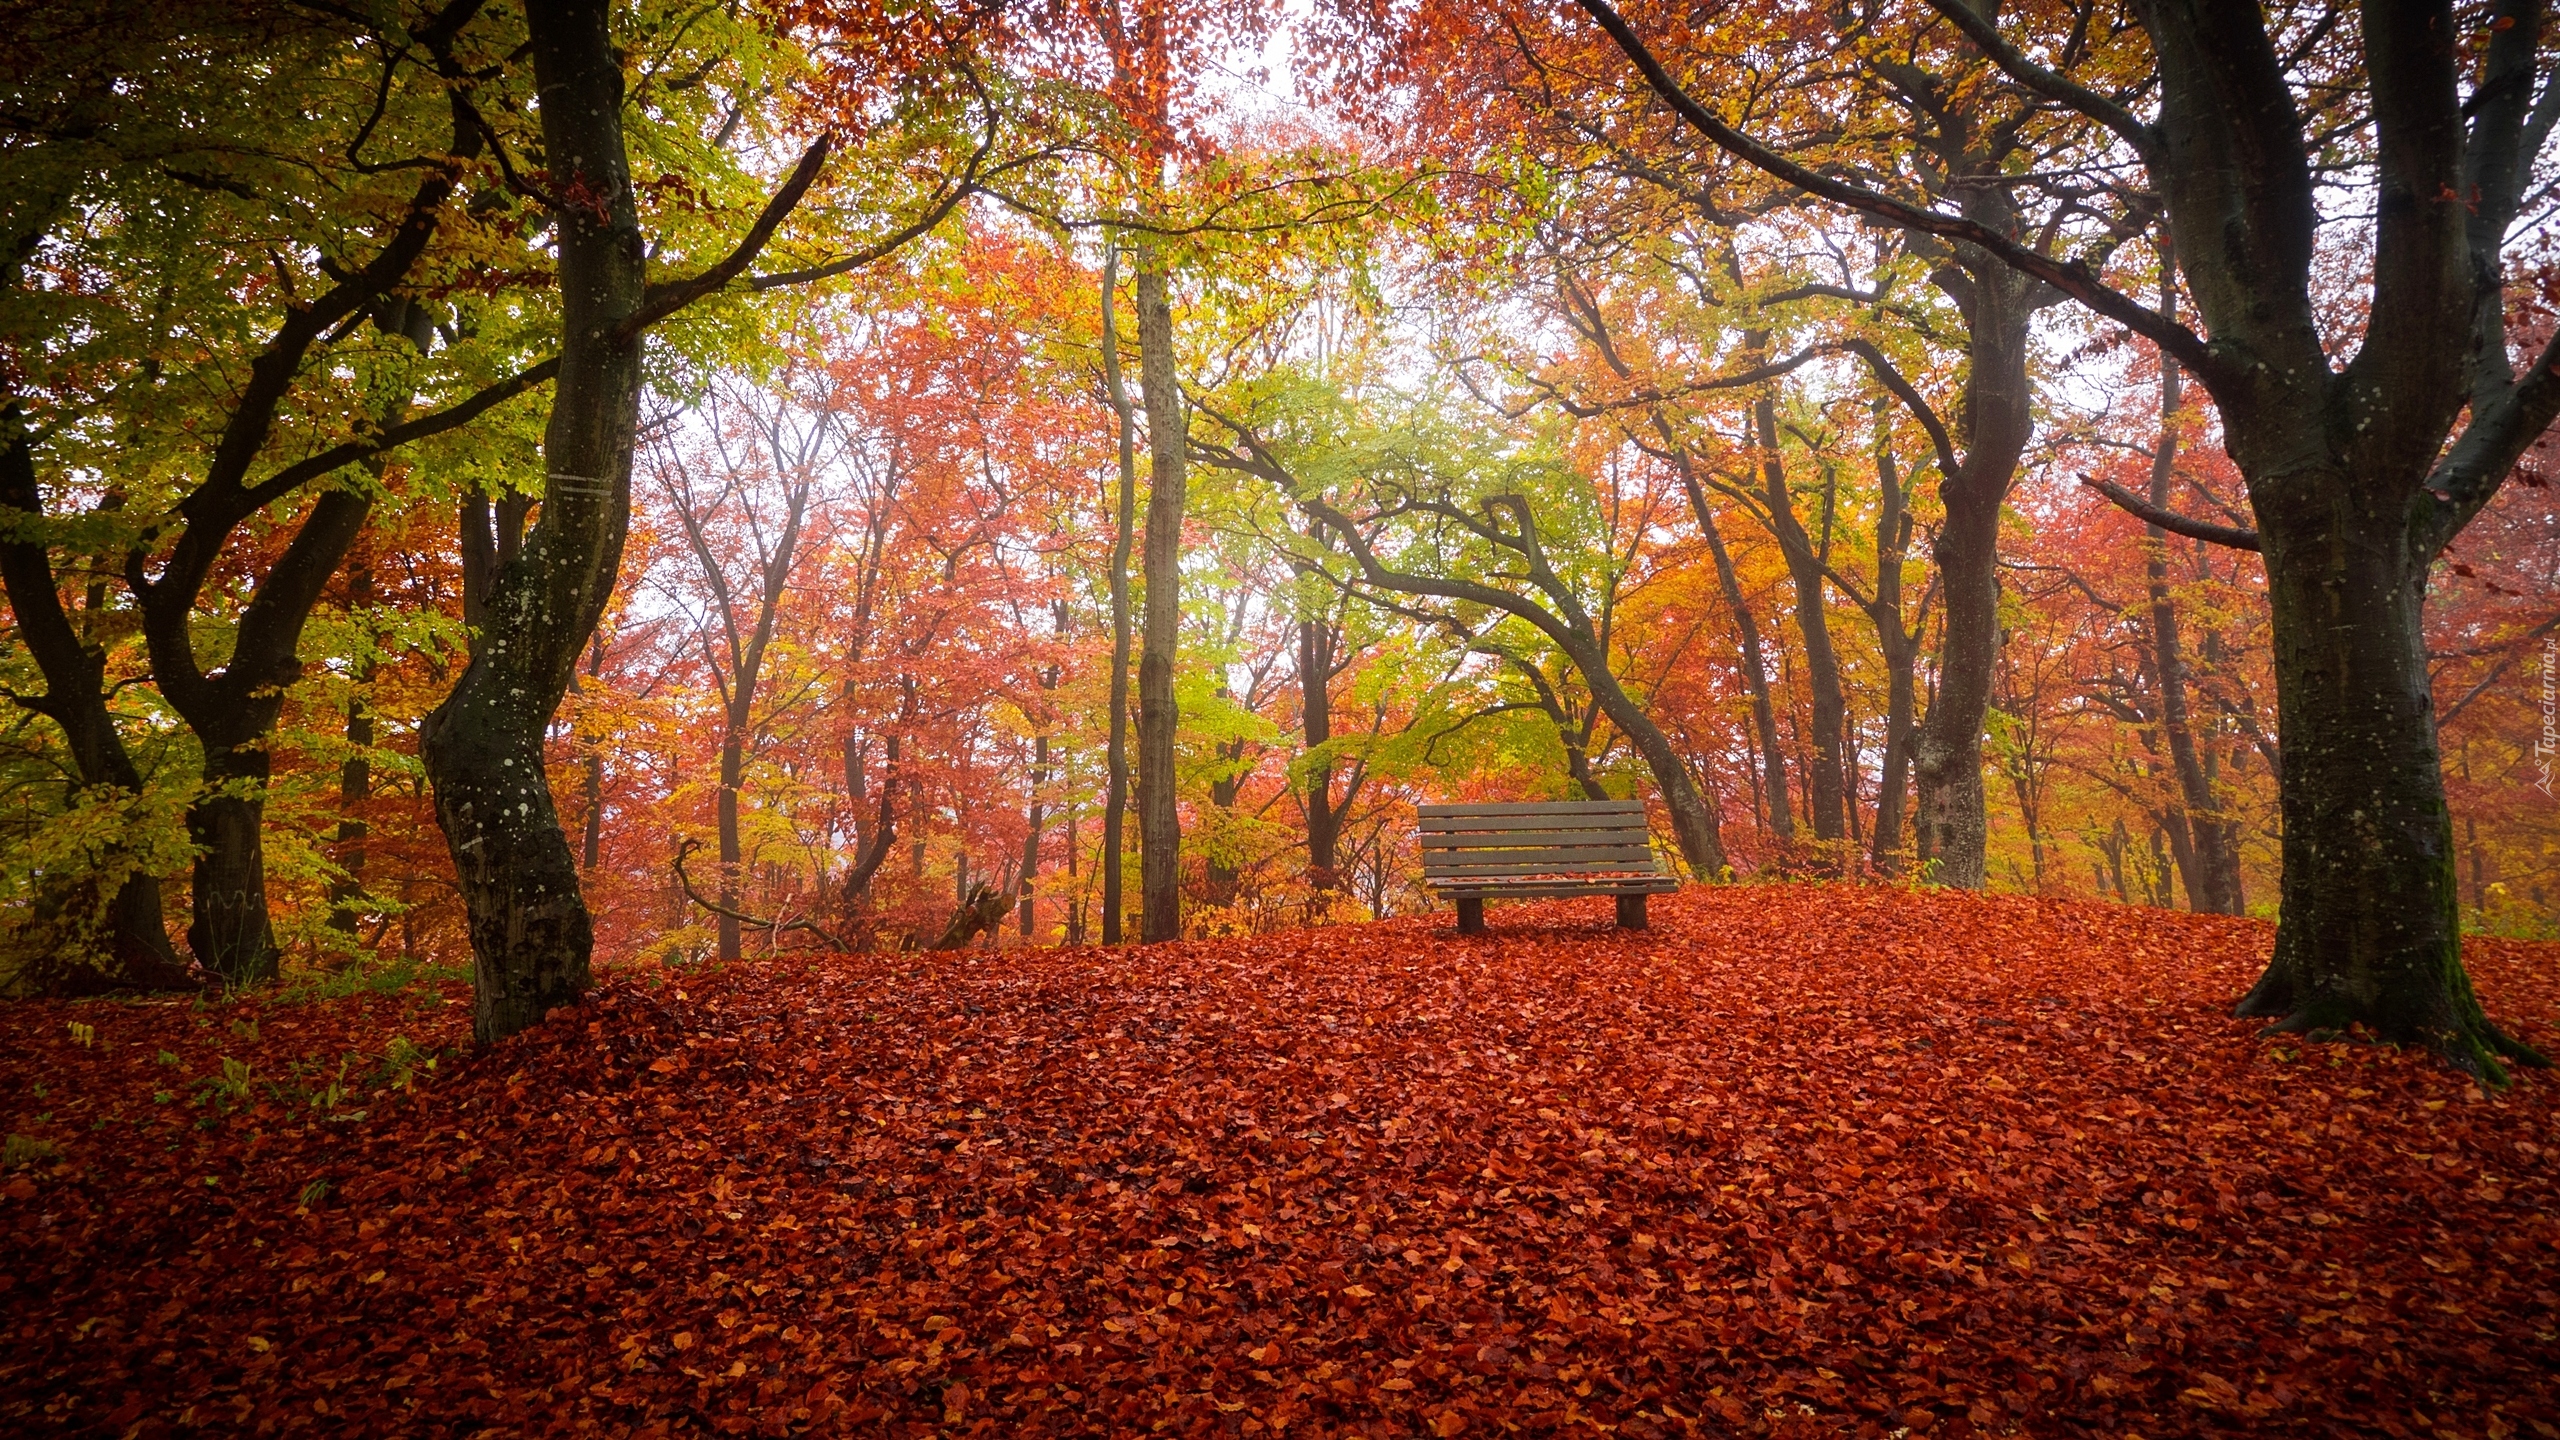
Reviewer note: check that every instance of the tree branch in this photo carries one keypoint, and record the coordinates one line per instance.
(1983, 32)
(2071, 277)
(284, 482)
(2171, 520)
(686, 848)
(661, 301)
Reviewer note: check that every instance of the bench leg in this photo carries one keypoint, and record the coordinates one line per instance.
(1470, 916)
(1631, 912)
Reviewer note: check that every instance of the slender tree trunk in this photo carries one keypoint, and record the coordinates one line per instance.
(355, 777)
(1813, 617)
(591, 820)
(1899, 647)
(2205, 862)
(1039, 780)
(733, 765)
(1693, 822)
(1755, 669)
(1115, 807)
(1315, 708)
(1031, 833)
(1159, 828)
(530, 932)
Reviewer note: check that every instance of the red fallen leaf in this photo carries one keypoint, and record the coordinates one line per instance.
(1752, 1148)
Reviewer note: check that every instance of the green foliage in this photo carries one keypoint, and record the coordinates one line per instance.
(20, 1152)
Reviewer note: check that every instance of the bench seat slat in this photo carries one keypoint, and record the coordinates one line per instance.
(1541, 867)
(1636, 857)
(1515, 839)
(1496, 824)
(1529, 808)
(1532, 890)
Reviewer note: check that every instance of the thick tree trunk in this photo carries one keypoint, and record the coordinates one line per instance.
(1159, 829)
(530, 932)
(2370, 929)
(228, 929)
(1997, 308)
(137, 949)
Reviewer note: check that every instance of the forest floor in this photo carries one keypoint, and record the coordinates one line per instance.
(1800, 1160)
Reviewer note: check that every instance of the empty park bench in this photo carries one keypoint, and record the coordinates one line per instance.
(1475, 853)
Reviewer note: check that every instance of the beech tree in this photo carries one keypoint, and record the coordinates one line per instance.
(2366, 449)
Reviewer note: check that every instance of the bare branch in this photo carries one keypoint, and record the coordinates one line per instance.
(2171, 520)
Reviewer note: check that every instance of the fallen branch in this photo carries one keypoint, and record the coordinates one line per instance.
(686, 847)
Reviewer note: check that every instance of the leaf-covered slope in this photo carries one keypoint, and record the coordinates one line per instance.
(1799, 1158)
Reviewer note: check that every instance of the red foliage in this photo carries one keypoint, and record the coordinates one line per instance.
(1798, 1161)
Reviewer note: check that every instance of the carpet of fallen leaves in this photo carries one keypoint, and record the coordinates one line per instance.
(1798, 1161)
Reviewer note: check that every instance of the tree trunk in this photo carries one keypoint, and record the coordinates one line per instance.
(1039, 782)
(591, 820)
(2206, 861)
(137, 949)
(1813, 616)
(1159, 830)
(1899, 647)
(1997, 309)
(1315, 708)
(2370, 932)
(733, 764)
(228, 929)
(355, 776)
(1693, 824)
(1115, 807)
(1031, 831)
(530, 932)
(1755, 669)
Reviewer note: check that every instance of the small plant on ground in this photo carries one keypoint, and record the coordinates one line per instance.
(25, 1152)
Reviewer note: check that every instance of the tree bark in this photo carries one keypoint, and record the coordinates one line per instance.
(530, 932)
(1039, 780)
(2207, 861)
(355, 774)
(1813, 613)
(1755, 668)
(2371, 920)
(733, 765)
(1159, 828)
(1115, 809)
(1315, 709)
(1998, 307)
(1900, 648)
(137, 952)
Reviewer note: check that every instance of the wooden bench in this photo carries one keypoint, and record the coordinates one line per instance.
(1475, 853)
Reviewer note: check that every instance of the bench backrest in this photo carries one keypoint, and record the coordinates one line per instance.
(1567, 837)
